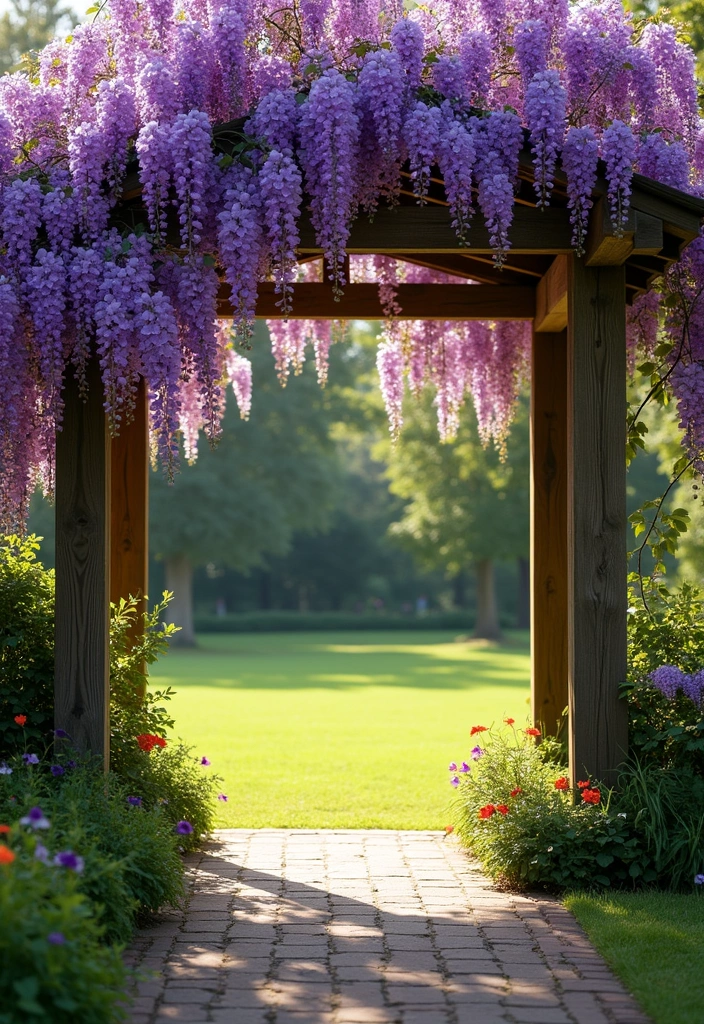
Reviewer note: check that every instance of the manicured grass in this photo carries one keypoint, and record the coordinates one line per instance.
(346, 730)
(655, 943)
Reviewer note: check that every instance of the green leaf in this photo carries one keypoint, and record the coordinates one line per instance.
(604, 859)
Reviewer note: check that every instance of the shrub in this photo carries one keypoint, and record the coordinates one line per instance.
(130, 852)
(666, 628)
(516, 812)
(26, 642)
(53, 965)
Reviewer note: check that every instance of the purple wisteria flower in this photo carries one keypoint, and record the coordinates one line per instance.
(452, 767)
(41, 853)
(70, 860)
(455, 781)
(57, 770)
(184, 828)
(205, 761)
(699, 879)
(476, 753)
(30, 759)
(134, 801)
(35, 819)
(464, 767)
(5, 769)
(222, 797)
(56, 939)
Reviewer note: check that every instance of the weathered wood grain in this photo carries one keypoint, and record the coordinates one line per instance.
(549, 588)
(129, 510)
(313, 301)
(81, 682)
(596, 403)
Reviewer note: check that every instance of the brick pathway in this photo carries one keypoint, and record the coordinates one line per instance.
(365, 927)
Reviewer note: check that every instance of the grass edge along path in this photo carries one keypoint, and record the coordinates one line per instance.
(654, 941)
(340, 730)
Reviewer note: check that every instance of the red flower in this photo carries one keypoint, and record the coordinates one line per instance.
(509, 721)
(486, 811)
(477, 728)
(502, 808)
(591, 796)
(562, 783)
(516, 791)
(6, 855)
(148, 741)
(449, 829)
(4, 829)
(584, 785)
(532, 732)
(20, 719)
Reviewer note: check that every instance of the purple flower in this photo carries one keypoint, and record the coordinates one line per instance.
(452, 767)
(184, 828)
(455, 782)
(221, 796)
(35, 819)
(57, 770)
(669, 679)
(135, 801)
(699, 879)
(41, 853)
(56, 939)
(476, 753)
(5, 769)
(71, 764)
(61, 734)
(30, 759)
(205, 761)
(464, 767)
(70, 860)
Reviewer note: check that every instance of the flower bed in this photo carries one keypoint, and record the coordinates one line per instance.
(83, 853)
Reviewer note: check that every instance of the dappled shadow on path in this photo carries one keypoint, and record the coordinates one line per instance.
(364, 926)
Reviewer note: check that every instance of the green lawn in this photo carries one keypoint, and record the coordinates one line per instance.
(655, 943)
(349, 730)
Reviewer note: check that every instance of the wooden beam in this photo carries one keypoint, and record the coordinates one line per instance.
(129, 509)
(313, 301)
(642, 233)
(549, 622)
(596, 519)
(81, 680)
(429, 229)
(551, 297)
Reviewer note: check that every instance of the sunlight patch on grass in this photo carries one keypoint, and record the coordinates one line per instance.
(353, 732)
(655, 943)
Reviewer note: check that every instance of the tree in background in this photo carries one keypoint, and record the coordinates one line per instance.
(464, 507)
(268, 477)
(687, 14)
(29, 25)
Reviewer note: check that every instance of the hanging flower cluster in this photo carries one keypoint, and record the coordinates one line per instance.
(164, 152)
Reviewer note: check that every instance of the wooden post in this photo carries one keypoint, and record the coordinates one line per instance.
(81, 681)
(129, 507)
(596, 474)
(548, 415)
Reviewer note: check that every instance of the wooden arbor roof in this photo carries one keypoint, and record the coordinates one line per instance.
(578, 507)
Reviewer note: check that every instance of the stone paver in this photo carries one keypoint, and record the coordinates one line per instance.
(364, 927)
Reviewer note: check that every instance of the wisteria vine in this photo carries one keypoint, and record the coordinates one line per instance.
(165, 152)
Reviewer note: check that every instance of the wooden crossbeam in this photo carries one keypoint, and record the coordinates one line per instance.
(643, 233)
(429, 229)
(313, 301)
(551, 298)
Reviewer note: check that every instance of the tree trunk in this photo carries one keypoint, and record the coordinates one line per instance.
(179, 580)
(265, 590)
(523, 608)
(487, 626)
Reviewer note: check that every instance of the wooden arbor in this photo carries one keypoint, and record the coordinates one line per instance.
(578, 531)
